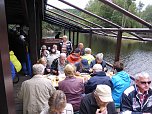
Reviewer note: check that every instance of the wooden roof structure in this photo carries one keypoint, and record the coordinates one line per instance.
(31, 13)
(24, 13)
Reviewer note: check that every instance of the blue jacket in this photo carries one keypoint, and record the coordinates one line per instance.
(121, 81)
(98, 78)
(13, 71)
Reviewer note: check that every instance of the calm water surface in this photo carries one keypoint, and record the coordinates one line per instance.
(136, 56)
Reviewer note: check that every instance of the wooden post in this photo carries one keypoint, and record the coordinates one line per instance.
(77, 38)
(73, 40)
(64, 32)
(69, 35)
(32, 31)
(90, 39)
(118, 46)
(7, 105)
(38, 28)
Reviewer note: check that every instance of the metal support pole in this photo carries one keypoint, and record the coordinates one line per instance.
(7, 105)
(118, 46)
(64, 32)
(77, 39)
(90, 39)
(73, 40)
(69, 35)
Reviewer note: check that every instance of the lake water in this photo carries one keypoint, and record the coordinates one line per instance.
(136, 56)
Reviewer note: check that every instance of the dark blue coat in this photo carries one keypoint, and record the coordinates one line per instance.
(98, 78)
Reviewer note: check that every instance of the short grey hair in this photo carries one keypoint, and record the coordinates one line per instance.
(99, 56)
(63, 55)
(142, 75)
(38, 69)
(97, 67)
(87, 50)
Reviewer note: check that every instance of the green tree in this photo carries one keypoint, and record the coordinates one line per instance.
(147, 13)
(109, 13)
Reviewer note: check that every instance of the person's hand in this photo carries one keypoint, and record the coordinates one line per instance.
(90, 70)
(54, 71)
(77, 73)
(103, 112)
(48, 70)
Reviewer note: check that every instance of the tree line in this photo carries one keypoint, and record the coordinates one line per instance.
(100, 9)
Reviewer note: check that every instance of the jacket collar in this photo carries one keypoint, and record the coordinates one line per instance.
(101, 73)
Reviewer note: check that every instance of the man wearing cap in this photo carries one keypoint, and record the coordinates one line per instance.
(98, 102)
(82, 66)
(99, 77)
(137, 99)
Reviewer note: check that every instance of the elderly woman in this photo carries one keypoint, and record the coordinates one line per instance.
(72, 87)
(57, 104)
(43, 61)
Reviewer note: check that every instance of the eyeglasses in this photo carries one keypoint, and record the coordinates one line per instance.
(144, 83)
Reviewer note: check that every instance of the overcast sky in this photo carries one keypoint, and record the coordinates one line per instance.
(82, 3)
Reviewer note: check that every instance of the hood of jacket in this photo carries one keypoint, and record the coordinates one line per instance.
(123, 75)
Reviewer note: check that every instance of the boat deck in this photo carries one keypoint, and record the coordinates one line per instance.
(18, 102)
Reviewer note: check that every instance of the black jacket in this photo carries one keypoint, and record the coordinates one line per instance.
(89, 105)
(130, 101)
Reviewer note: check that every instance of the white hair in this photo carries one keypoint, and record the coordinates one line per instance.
(142, 75)
(62, 55)
(55, 46)
(87, 50)
(65, 36)
(44, 47)
(97, 67)
(99, 56)
(38, 69)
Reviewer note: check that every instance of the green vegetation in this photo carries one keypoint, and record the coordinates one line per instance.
(100, 9)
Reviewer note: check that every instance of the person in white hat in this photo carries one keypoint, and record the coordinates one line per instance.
(98, 102)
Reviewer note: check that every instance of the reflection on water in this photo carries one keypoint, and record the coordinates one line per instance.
(136, 56)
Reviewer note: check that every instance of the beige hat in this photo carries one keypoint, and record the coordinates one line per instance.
(104, 93)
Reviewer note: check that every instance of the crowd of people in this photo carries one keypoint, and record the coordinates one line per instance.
(101, 94)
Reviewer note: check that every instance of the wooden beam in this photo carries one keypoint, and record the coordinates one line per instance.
(121, 29)
(7, 105)
(73, 39)
(77, 39)
(90, 39)
(69, 35)
(127, 13)
(32, 31)
(24, 7)
(118, 46)
(39, 27)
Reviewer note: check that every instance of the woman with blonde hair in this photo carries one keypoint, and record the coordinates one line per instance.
(72, 87)
(57, 104)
